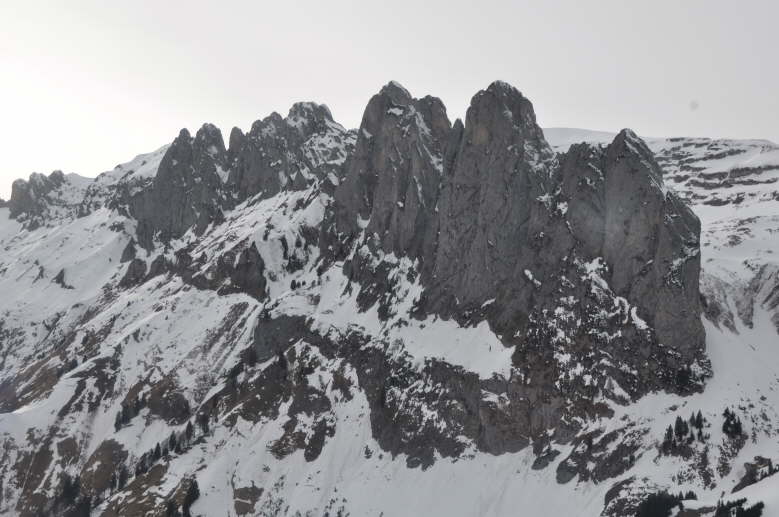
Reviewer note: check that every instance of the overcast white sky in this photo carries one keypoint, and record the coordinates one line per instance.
(86, 85)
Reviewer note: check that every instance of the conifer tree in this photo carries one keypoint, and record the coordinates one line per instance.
(669, 436)
(680, 428)
(193, 492)
(123, 475)
(171, 509)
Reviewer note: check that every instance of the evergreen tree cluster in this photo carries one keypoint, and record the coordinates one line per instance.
(72, 364)
(661, 503)
(202, 421)
(249, 359)
(70, 496)
(684, 378)
(70, 488)
(726, 509)
(172, 509)
(193, 492)
(177, 443)
(684, 432)
(129, 411)
(119, 480)
(732, 425)
(250, 356)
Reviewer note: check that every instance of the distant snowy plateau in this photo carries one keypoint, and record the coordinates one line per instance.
(416, 317)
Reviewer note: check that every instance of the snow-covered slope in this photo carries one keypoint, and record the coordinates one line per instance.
(249, 353)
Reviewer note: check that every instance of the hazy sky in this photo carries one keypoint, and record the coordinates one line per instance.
(87, 85)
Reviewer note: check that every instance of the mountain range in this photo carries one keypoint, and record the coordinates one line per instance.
(478, 317)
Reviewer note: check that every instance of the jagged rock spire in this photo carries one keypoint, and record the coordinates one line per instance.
(186, 192)
(29, 199)
(492, 214)
(393, 178)
(500, 165)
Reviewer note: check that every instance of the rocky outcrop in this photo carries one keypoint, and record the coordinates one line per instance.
(491, 218)
(247, 274)
(503, 228)
(198, 179)
(135, 273)
(286, 153)
(60, 280)
(29, 199)
(619, 209)
(392, 181)
(238, 270)
(187, 191)
(129, 251)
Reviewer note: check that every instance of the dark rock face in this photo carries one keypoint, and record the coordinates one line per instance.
(168, 403)
(247, 274)
(273, 335)
(393, 178)
(60, 280)
(396, 393)
(286, 153)
(619, 209)
(158, 267)
(237, 270)
(588, 245)
(29, 199)
(763, 290)
(198, 178)
(187, 191)
(135, 274)
(128, 253)
(490, 218)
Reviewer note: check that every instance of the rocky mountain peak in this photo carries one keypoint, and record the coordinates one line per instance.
(266, 126)
(500, 166)
(183, 137)
(504, 220)
(502, 116)
(396, 91)
(237, 141)
(392, 180)
(309, 117)
(31, 200)
(209, 145)
(286, 153)
(209, 134)
(628, 145)
(186, 191)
